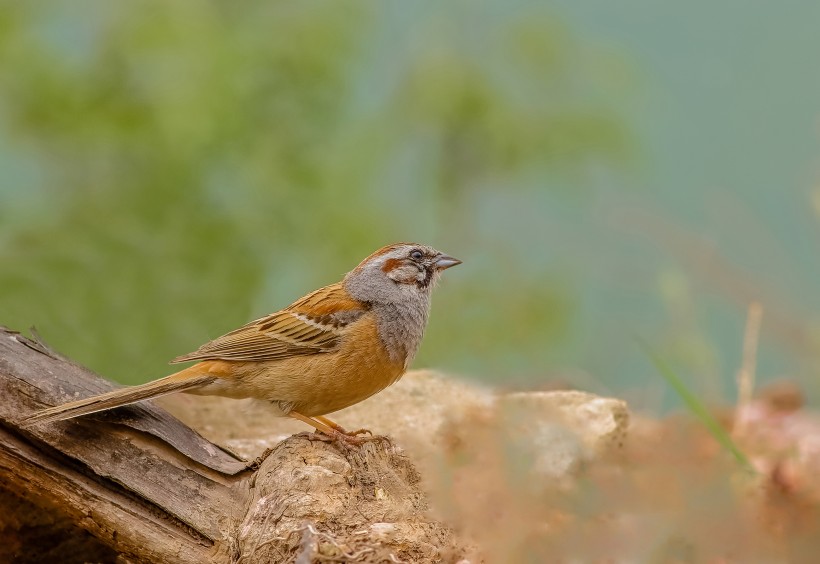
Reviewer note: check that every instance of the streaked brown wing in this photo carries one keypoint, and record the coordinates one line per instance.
(311, 325)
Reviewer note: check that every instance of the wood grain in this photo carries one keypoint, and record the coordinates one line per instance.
(136, 476)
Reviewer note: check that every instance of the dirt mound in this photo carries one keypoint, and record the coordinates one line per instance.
(313, 500)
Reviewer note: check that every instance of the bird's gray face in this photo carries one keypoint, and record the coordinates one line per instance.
(416, 264)
(399, 270)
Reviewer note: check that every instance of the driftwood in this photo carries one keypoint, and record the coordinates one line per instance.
(135, 484)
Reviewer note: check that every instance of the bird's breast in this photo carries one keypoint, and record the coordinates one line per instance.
(359, 368)
(325, 382)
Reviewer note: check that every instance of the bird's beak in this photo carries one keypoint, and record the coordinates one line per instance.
(444, 262)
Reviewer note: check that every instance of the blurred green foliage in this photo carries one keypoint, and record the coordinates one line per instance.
(174, 169)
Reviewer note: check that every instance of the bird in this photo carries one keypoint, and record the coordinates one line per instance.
(328, 350)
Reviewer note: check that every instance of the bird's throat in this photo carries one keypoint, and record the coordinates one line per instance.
(401, 328)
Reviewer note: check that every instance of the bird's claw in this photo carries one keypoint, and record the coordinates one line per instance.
(357, 432)
(348, 439)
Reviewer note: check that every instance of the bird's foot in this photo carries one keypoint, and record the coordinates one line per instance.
(348, 440)
(334, 436)
(356, 433)
(345, 439)
(353, 439)
(336, 427)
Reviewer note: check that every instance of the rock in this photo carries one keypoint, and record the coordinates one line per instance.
(599, 423)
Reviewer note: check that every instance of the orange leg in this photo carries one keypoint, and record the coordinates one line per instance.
(327, 427)
(341, 429)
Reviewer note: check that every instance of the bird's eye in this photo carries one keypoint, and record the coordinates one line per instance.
(416, 254)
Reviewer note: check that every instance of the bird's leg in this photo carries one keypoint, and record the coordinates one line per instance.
(327, 429)
(341, 429)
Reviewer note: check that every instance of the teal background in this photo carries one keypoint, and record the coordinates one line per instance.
(605, 170)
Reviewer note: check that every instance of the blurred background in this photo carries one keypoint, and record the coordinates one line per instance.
(171, 170)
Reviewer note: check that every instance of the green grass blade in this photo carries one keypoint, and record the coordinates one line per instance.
(696, 406)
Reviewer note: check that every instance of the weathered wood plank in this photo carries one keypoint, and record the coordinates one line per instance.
(142, 448)
(50, 379)
(102, 509)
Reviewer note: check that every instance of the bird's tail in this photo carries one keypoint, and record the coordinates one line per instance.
(181, 381)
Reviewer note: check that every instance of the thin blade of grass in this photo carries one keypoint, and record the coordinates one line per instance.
(697, 408)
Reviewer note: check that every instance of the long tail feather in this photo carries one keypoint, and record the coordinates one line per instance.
(179, 382)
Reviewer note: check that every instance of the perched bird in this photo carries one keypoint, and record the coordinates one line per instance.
(330, 349)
